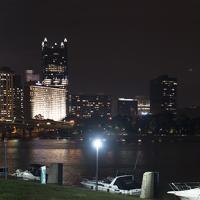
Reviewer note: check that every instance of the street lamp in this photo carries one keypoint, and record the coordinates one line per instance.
(5, 158)
(97, 143)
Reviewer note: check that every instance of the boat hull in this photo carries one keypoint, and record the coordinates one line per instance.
(190, 194)
(112, 186)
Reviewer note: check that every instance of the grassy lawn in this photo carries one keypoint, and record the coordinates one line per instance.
(23, 190)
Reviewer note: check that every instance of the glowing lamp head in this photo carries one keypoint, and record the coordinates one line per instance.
(97, 143)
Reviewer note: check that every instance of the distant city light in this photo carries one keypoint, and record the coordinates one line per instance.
(124, 99)
(144, 113)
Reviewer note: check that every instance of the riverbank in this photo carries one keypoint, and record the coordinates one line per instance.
(23, 190)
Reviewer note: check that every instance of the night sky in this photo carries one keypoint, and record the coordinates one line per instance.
(114, 48)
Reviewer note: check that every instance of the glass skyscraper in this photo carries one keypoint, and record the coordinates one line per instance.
(54, 64)
(55, 68)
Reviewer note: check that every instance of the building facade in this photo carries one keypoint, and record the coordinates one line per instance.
(32, 76)
(127, 107)
(54, 65)
(44, 102)
(18, 94)
(6, 94)
(87, 106)
(163, 95)
(143, 105)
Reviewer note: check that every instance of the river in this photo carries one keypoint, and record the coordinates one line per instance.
(175, 161)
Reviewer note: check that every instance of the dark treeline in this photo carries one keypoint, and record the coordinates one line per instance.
(161, 124)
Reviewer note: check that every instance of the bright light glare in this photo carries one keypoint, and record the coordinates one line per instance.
(97, 143)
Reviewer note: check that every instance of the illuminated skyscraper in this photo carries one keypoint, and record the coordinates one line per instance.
(11, 95)
(6, 94)
(18, 98)
(45, 102)
(54, 65)
(163, 94)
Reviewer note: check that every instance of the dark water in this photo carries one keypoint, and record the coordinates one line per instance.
(175, 161)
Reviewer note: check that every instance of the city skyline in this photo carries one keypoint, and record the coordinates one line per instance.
(101, 95)
(115, 49)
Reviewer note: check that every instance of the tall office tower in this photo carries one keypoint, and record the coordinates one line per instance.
(54, 64)
(127, 107)
(44, 102)
(6, 94)
(87, 106)
(163, 95)
(143, 105)
(18, 98)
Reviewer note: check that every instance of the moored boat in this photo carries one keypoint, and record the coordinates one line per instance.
(120, 184)
(185, 191)
(25, 175)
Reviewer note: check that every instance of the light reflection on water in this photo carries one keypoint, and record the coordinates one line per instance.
(174, 161)
(78, 160)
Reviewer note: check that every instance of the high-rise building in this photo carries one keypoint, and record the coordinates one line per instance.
(18, 98)
(54, 65)
(45, 102)
(127, 107)
(31, 76)
(143, 105)
(87, 106)
(6, 94)
(163, 95)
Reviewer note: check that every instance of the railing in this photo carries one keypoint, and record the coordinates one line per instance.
(184, 186)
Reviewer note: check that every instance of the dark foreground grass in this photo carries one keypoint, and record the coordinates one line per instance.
(22, 190)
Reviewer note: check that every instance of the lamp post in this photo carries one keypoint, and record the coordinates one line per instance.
(5, 158)
(97, 143)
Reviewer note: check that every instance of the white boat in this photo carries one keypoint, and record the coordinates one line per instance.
(25, 175)
(120, 184)
(186, 191)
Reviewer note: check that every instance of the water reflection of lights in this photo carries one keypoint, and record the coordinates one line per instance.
(67, 156)
(75, 159)
(14, 141)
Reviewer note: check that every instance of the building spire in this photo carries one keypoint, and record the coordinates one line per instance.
(44, 42)
(62, 45)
